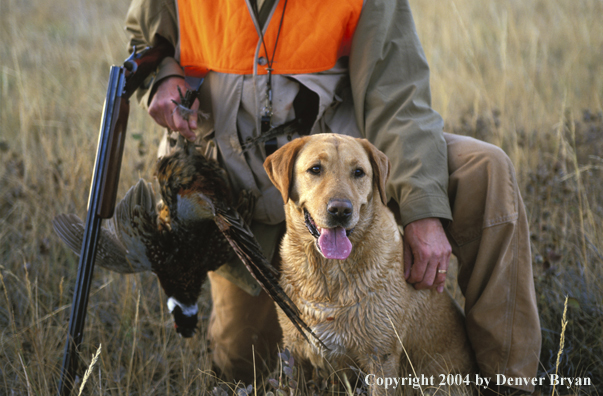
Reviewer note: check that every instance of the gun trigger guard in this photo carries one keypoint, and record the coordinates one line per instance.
(129, 63)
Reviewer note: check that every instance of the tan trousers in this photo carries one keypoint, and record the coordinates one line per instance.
(490, 238)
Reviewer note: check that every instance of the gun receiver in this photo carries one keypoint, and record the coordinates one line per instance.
(123, 81)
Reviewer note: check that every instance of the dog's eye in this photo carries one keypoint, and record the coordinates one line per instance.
(315, 170)
(359, 173)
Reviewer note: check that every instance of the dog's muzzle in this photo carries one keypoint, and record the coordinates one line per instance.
(332, 243)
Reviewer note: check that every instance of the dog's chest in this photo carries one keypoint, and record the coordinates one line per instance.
(348, 329)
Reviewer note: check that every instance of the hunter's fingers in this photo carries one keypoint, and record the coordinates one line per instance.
(444, 264)
(407, 259)
(430, 275)
(434, 276)
(192, 120)
(163, 109)
(181, 125)
(440, 280)
(418, 269)
(158, 111)
(431, 253)
(168, 113)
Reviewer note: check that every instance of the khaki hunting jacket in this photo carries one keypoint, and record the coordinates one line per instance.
(379, 92)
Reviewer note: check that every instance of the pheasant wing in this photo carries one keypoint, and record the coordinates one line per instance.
(247, 248)
(135, 223)
(121, 247)
(110, 252)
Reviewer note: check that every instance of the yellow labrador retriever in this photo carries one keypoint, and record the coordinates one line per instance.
(342, 266)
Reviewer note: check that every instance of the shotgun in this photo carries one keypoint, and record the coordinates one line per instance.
(123, 82)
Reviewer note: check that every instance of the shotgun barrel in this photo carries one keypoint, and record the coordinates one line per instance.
(123, 81)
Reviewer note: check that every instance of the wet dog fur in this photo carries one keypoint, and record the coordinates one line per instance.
(359, 303)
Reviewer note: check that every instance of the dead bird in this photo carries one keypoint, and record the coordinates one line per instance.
(193, 230)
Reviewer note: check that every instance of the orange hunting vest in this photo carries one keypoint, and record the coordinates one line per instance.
(220, 35)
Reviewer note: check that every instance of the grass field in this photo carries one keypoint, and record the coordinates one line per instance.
(525, 75)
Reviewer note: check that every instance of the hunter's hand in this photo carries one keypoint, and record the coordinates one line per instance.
(164, 112)
(426, 254)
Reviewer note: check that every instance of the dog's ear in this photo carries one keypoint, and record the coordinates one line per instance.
(381, 167)
(279, 166)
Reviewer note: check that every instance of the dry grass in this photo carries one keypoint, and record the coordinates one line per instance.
(517, 73)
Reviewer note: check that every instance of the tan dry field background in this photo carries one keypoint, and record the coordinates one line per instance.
(526, 75)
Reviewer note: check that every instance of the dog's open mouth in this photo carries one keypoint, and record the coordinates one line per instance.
(333, 243)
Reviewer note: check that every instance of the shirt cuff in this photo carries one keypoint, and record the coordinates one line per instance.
(168, 67)
(425, 207)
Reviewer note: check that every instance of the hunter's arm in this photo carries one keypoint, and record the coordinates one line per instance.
(145, 20)
(390, 85)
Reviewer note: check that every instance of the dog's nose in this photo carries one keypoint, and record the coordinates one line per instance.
(340, 208)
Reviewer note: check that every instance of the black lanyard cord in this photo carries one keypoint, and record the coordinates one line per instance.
(254, 6)
(267, 110)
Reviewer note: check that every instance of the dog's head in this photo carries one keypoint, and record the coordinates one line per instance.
(330, 179)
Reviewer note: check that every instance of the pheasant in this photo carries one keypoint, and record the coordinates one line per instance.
(195, 229)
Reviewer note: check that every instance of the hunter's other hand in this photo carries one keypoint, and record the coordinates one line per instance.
(164, 112)
(426, 254)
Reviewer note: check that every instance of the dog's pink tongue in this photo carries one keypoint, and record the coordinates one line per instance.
(334, 243)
